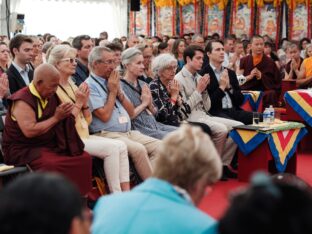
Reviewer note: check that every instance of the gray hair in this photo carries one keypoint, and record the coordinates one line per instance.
(196, 36)
(129, 54)
(194, 153)
(96, 54)
(161, 62)
(58, 52)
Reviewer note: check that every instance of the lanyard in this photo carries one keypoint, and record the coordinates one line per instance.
(131, 86)
(104, 89)
(67, 94)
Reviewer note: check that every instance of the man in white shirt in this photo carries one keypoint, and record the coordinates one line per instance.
(228, 49)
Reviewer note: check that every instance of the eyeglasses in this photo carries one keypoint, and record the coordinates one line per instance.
(71, 60)
(107, 62)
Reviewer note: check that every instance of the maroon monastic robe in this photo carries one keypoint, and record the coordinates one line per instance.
(60, 149)
(270, 82)
(288, 68)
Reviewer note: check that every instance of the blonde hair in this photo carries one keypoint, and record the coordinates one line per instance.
(186, 156)
(58, 52)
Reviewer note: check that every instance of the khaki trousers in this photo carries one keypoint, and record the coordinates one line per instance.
(141, 148)
(220, 128)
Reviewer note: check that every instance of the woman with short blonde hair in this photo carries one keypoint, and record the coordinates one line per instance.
(194, 160)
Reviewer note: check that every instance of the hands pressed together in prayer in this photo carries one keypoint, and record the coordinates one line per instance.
(146, 96)
(63, 110)
(82, 95)
(224, 82)
(113, 83)
(256, 73)
(173, 89)
(294, 65)
(202, 83)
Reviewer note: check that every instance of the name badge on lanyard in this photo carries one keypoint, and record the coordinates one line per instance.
(122, 119)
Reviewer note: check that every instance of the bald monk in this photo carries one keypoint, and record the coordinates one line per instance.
(261, 73)
(40, 132)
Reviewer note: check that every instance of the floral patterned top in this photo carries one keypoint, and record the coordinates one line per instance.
(168, 113)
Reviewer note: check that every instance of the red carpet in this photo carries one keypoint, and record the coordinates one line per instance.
(216, 202)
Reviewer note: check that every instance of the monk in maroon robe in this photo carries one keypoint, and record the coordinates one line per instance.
(40, 132)
(261, 73)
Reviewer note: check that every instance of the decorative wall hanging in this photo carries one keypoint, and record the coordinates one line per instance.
(166, 20)
(242, 18)
(190, 18)
(140, 21)
(214, 20)
(268, 20)
(299, 20)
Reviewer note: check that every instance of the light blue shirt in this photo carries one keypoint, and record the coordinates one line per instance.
(98, 98)
(226, 100)
(153, 207)
(22, 72)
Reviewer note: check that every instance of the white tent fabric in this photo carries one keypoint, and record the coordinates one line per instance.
(69, 18)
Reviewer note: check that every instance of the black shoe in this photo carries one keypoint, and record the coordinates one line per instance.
(228, 173)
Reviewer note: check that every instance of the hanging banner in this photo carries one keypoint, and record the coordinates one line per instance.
(140, 21)
(242, 19)
(189, 18)
(214, 20)
(299, 20)
(166, 20)
(268, 20)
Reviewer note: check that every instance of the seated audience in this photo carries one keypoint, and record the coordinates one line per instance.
(178, 50)
(223, 89)
(302, 45)
(236, 56)
(292, 68)
(42, 204)
(305, 74)
(113, 152)
(269, 207)
(111, 111)
(261, 73)
(147, 53)
(4, 57)
(83, 44)
(198, 39)
(228, 50)
(20, 73)
(41, 132)
(308, 51)
(140, 95)
(132, 41)
(163, 48)
(117, 48)
(37, 58)
(172, 109)
(193, 88)
(167, 202)
(269, 51)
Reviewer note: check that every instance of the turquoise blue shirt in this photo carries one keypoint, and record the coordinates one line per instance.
(152, 207)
